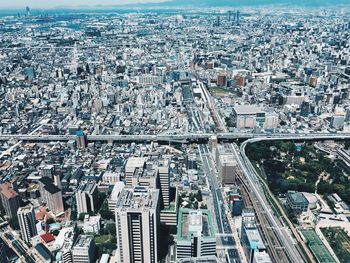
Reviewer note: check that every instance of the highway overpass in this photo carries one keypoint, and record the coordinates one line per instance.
(184, 137)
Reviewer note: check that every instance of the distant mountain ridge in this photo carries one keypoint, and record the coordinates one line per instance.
(218, 3)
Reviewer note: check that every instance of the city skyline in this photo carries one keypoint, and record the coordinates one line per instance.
(164, 3)
(182, 132)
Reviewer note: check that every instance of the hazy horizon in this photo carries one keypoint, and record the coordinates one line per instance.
(69, 3)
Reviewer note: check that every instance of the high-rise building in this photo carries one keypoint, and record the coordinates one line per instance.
(81, 139)
(227, 168)
(195, 234)
(84, 249)
(86, 197)
(28, 11)
(9, 198)
(26, 220)
(221, 80)
(137, 218)
(164, 181)
(51, 195)
(131, 167)
(337, 121)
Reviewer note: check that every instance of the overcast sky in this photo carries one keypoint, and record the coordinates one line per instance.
(54, 3)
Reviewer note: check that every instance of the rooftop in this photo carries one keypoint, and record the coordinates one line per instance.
(7, 190)
(88, 187)
(25, 210)
(228, 159)
(194, 221)
(297, 197)
(254, 238)
(246, 109)
(137, 198)
(83, 241)
(135, 162)
(43, 251)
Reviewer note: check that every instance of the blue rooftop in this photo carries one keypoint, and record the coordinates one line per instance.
(79, 133)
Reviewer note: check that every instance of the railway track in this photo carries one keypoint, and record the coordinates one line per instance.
(274, 247)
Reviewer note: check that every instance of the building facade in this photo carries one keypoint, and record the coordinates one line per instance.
(51, 195)
(10, 199)
(26, 220)
(86, 197)
(195, 234)
(297, 202)
(137, 220)
(84, 249)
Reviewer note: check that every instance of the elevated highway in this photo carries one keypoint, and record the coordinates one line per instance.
(183, 137)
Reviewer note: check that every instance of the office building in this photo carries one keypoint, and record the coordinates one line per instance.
(337, 121)
(149, 80)
(131, 167)
(235, 201)
(113, 198)
(81, 139)
(227, 168)
(92, 224)
(64, 242)
(297, 202)
(222, 80)
(84, 249)
(10, 199)
(195, 234)
(51, 196)
(137, 221)
(168, 216)
(248, 117)
(86, 197)
(149, 173)
(164, 181)
(26, 220)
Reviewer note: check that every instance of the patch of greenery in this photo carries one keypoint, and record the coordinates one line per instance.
(105, 212)
(193, 199)
(105, 244)
(339, 240)
(287, 168)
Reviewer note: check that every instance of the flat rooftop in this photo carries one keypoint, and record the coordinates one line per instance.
(87, 187)
(25, 209)
(83, 241)
(247, 109)
(138, 197)
(254, 238)
(190, 223)
(135, 162)
(228, 159)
